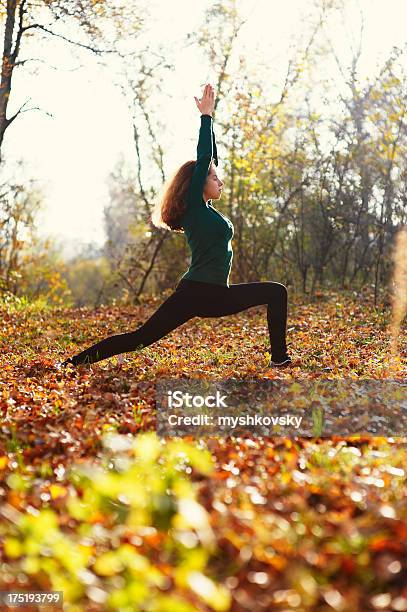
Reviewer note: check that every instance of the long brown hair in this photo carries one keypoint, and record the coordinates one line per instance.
(168, 211)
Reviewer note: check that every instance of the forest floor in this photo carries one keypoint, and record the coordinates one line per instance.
(300, 523)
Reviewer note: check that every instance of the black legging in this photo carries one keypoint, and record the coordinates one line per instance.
(197, 299)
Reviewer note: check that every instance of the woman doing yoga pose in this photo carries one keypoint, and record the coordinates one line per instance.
(204, 290)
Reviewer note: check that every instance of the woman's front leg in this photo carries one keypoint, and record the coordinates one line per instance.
(241, 296)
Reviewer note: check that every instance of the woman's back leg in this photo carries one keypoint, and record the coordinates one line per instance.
(173, 312)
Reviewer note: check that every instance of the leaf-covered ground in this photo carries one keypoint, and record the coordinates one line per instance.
(303, 524)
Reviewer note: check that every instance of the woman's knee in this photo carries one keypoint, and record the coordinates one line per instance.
(277, 290)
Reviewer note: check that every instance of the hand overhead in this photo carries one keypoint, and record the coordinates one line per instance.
(207, 103)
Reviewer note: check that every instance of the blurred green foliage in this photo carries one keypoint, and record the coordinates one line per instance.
(136, 538)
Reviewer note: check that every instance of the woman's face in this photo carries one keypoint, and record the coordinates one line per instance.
(213, 185)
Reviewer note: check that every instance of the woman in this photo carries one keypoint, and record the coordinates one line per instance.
(204, 290)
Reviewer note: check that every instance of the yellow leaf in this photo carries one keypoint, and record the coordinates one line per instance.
(13, 548)
(57, 491)
(215, 595)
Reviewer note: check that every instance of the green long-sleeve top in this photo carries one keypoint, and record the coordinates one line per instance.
(208, 232)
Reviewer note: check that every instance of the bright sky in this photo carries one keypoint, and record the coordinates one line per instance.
(72, 154)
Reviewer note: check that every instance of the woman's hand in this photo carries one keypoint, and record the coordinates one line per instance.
(207, 103)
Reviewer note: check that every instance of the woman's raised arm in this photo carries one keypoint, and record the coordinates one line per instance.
(206, 148)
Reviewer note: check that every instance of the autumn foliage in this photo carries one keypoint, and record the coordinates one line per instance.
(94, 504)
